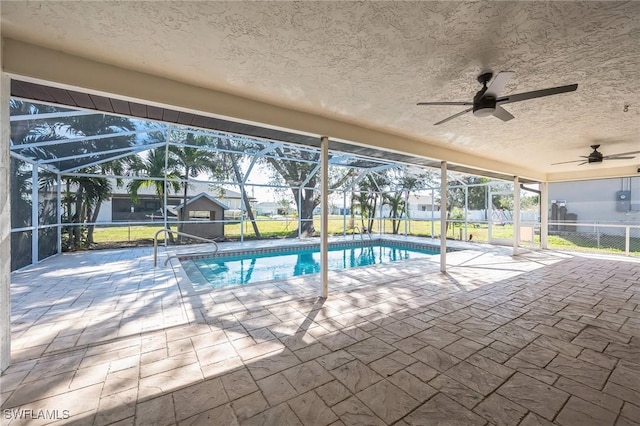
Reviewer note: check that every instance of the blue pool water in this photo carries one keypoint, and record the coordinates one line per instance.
(251, 268)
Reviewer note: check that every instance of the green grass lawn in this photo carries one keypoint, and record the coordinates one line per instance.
(607, 244)
(143, 235)
(288, 227)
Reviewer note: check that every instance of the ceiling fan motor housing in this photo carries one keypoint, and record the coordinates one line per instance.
(484, 106)
(595, 157)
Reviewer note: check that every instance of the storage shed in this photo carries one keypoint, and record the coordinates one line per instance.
(204, 215)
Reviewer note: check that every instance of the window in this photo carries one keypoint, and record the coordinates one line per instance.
(202, 215)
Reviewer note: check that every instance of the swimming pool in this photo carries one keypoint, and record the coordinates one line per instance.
(241, 268)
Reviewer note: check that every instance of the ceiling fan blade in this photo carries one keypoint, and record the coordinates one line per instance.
(502, 114)
(618, 158)
(454, 116)
(498, 84)
(537, 94)
(567, 162)
(445, 103)
(622, 154)
(584, 162)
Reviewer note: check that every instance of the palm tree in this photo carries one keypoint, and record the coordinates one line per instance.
(61, 128)
(193, 162)
(98, 191)
(366, 200)
(397, 207)
(153, 166)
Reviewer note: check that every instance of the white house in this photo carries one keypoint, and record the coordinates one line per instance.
(268, 208)
(421, 205)
(120, 207)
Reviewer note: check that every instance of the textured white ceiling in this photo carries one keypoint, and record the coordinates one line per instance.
(370, 62)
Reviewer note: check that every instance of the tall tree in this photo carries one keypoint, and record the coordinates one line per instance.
(299, 170)
(232, 161)
(83, 149)
(400, 182)
(366, 199)
(397, 207)
(153, 167)
(193, 161)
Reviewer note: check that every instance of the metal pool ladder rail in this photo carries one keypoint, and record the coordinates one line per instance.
(170, 231)
(360, 233)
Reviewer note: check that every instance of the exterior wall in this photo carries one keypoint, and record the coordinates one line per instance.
(146, 206)
(105, 214)
(416, 200)
(420, 206)
(118, 208)
(232, 203)
(266, 208)
(595, 200)
(424, 215)
(204, 230)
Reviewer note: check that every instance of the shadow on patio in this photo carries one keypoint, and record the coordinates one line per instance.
(497, 338)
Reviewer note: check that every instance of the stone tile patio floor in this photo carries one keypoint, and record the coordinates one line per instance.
(542, 338)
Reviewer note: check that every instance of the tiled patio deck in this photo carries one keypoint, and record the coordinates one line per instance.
(538, 339)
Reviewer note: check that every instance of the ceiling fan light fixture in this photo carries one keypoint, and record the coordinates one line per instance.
(484, 106)
(484, 112)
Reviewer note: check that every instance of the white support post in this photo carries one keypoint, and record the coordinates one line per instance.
(324, 211)
(406, 213)
(165, 211)
(34, 215)
(627, 240)
(433, 206)
(544, 215)
(5, 222)
(516, 215)
(344, 213)
(380, 214)
(489, 214)
(443, 216)
(466, 213)
(242, 212)
(300, 213)
(59, 210)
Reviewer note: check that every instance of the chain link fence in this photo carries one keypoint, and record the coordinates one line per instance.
(595, 237)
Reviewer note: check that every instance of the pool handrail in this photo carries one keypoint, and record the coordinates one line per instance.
(171, 231)
(354, 233)
(360, 232)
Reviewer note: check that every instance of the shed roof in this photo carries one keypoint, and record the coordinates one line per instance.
(202, 195)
